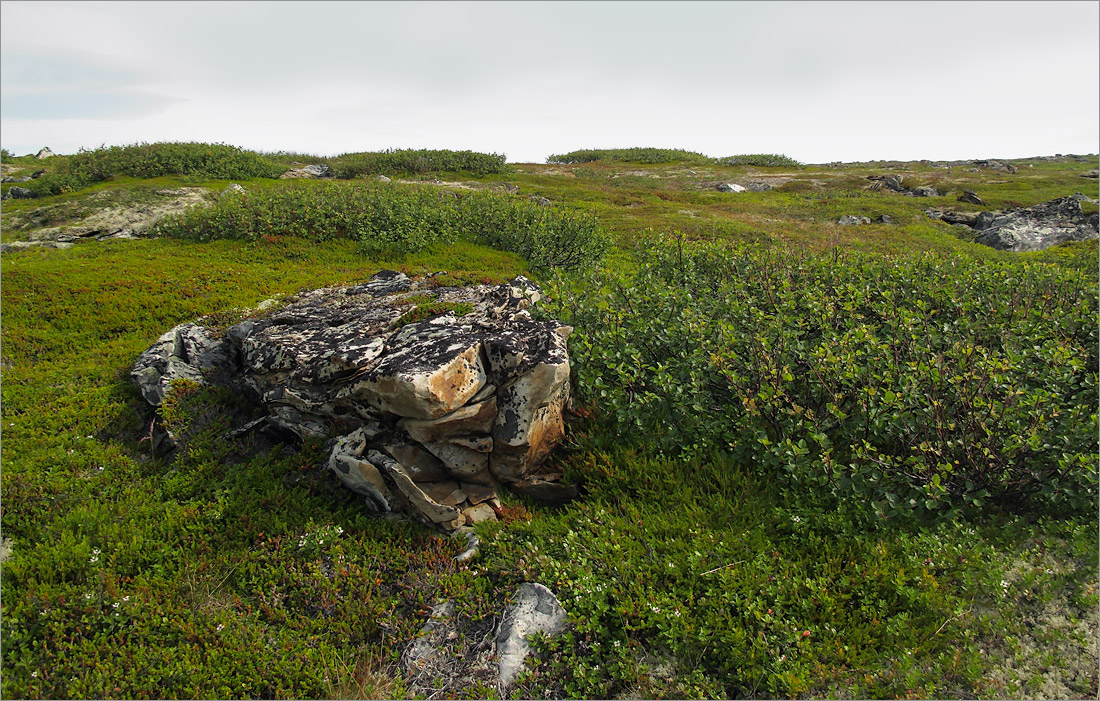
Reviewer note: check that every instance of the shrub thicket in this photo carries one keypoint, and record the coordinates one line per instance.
(216, 161)
(418, 162)
(630, 155)
(917, 387)
(388, 220)
(765, 160)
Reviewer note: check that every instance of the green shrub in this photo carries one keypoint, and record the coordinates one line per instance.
(630, 155)
(154, 160)
(418, 162)
(764, 160)
(547, 237)
(397, 221)
(914, 387)
(217, 161)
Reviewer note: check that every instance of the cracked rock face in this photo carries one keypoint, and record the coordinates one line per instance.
(1036, 228)
(434, 414)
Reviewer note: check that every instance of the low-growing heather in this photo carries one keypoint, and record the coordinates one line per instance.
(919, 386)
(397, 221)
(418, 162)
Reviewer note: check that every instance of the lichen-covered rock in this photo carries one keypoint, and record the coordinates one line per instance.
(188, 352)
(1036, 228)
(435, 414)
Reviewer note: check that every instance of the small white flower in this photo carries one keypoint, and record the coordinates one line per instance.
(221, 626)
(34, 673)
(616, 643)
(93, 559)
(88, 596)
(114, 605)
(796, 519)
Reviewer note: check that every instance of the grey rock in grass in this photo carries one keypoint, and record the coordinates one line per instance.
(924, 191)
(884, 219)
(730, 187)
(889, 182)
(314, 172)
(233, 189)
(13, 179)
(38, 174)
(850, 220)
(971, 197)
(382, 179)
(995, 165)
(758, 187)
(44, 153)
(1036, 228)
(435, 414)
(1094, 173)
(536, 610)
(184, 353)
(18, 193)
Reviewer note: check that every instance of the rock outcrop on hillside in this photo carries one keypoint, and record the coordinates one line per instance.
(1027, 229)
(893, 183)
(435, 412)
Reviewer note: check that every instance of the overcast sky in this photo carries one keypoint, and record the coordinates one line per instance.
(816, 81)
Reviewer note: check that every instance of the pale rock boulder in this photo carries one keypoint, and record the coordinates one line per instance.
(535, 610)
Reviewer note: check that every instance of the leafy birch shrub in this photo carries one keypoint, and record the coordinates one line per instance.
(548, 237)
(218, 161)
(630, 155)
(917, 387)
(764, 160)
(397, 221)
(418, 162)
(154, 160)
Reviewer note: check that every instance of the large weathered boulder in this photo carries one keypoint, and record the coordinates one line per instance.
(44, 153)
(435, 412)
(1036, 228)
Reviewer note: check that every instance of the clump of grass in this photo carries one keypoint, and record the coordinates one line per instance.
(630, 155)
(763, 160)
(418, 162)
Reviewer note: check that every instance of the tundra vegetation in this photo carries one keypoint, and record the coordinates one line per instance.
(814, 460)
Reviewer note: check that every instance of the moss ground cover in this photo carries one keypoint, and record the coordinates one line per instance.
(690, 567)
